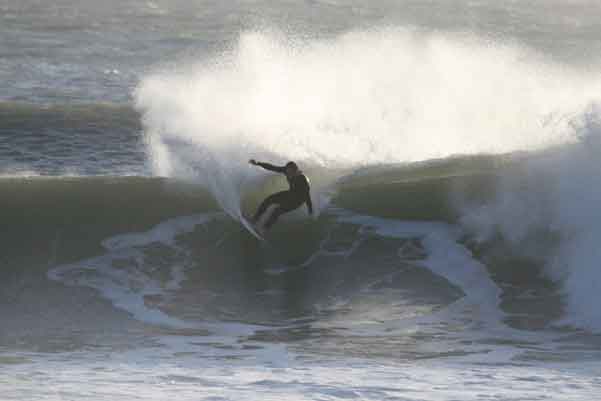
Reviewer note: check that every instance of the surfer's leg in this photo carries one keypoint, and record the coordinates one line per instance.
(270, 200)
(287, 206)
(273, 217)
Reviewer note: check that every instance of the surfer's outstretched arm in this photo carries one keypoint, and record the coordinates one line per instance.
(267, 166)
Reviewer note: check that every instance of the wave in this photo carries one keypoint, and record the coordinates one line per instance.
(390, 96)
(35, 209)
(141, 240)
(70, 139)
(99, 118)
(161, 250)
(493, 143)
(547, 210)
(76, 213)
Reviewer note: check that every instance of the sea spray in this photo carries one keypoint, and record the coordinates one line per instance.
(363, 98)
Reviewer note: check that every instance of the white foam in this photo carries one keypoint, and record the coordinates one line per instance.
(164, 232)
(125, 289)
(444, 257)
(196, 372)
(127, 286)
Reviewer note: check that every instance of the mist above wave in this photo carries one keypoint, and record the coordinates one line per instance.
(367, 97)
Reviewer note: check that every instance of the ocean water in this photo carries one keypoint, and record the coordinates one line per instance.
(453, 148)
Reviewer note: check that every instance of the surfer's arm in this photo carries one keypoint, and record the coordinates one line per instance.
(270, 167)
(309, 204)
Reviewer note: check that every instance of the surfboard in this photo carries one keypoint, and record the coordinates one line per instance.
(247, 224)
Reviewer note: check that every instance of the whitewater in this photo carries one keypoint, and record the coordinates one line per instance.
(453, 154)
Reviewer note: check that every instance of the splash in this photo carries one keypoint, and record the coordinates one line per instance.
(363, 98)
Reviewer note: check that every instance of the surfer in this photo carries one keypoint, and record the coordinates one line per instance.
(286, 201)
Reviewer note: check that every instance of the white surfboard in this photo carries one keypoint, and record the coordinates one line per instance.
(250, 227)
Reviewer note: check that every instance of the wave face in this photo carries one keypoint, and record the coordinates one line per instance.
(388, 247)
(162, 252)
(400, 263)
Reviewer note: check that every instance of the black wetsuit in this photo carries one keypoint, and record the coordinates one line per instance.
(286, 200)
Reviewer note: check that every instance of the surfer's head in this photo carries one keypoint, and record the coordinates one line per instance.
(291, 168)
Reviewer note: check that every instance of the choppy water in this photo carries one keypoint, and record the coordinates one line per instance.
(453, 150)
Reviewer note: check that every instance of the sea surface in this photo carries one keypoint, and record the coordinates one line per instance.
(454, 153)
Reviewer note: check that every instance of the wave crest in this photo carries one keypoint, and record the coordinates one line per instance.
(363, 98)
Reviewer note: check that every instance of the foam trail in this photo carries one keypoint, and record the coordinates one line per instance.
(165, 232)
(363, 98)
(445, 257)
(127, 286)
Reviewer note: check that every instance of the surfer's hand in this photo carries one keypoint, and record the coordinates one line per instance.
(253, 162)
